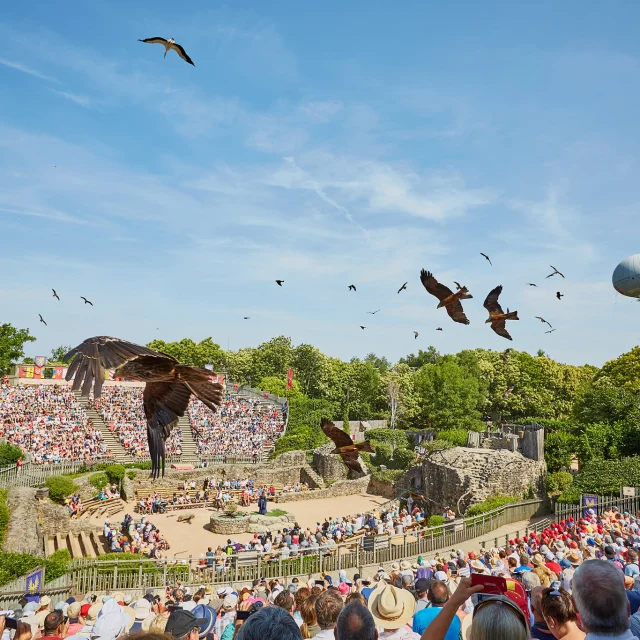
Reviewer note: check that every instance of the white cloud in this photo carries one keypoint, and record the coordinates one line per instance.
(28, 70)
(81, 100)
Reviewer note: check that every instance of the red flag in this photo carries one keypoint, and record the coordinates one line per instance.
(57, 374)
(290, 379)
(37, 371)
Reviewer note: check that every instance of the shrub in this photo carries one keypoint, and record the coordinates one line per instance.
(435, 521)
(605, 477)
(559, 448)
(392, 437)
(571, 495)
(559, 482)
(132, 474)
(388, 475)
(115, 473)
(99, 480)
(403, 458)
(383, 454)
(4, 515)
(231, 508)
(14, 565)
(489, 505)
(60, 487)
(9, 454)
(456, 437)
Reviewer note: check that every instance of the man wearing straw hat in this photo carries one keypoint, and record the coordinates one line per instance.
(392, 608)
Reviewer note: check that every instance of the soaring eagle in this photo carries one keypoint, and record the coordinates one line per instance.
(345, 447)
(497, 317)
(166, 394)
(448, 299)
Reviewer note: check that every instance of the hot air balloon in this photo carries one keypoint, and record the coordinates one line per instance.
(626, 277)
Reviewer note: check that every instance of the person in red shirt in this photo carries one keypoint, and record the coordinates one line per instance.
(551, 563)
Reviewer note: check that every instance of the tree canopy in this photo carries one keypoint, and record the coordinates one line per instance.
(12, 343)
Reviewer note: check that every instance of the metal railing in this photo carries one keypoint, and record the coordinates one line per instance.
(360, 554)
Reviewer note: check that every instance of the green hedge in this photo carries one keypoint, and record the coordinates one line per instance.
(115, 473)
(393, 437)
(9, 454)
(489, 505)
(605, 477)
(132, 474)
(4, 515)
(570, 495)
(456, 437)
(435, 521)
(15, 565)
(383, 454)
(60, 487)
(99, 480)
(559, 481)
(403, 458)
(388, 475)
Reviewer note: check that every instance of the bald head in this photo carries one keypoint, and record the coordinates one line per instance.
(600, 598)
(355, 622)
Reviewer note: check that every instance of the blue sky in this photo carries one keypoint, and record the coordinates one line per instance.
(325, 145)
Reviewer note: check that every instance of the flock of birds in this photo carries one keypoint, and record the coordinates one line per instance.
(57, 297)
(452, 301)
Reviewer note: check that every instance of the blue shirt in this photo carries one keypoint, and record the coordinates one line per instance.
(423, 619)
(366, 592)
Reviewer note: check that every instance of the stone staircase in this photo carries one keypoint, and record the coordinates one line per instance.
(189, 446)
(111, 441)
(79, 545)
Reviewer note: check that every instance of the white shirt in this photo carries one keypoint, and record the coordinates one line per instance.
(325, 634)
(400, 634)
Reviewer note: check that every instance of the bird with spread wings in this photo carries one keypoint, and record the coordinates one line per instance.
(348, 450)
(449, 300)
(497, 317)
(169, 384)
(168, 45)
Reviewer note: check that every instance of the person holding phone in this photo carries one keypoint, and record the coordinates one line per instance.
(22, 630)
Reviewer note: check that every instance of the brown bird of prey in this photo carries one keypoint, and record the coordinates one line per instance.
(531, 284)
(555, 271)
(55, 295)
(86, 301)
(403, 287)
(497, 317)
(352, 287)
(166, 394)
(279, 282)
(505, 355)
(169, 44)
(415, 335)
(418, 497)
(42, 320)
(486, 257)
(345, 447)
(559, 295)
(448, 299)
(373, 313)
(543, 320)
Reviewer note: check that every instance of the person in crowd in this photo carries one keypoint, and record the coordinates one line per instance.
(438, 596)
(355, 622)
(183, 625)
(269, 623)
(328, 607)
(309, 627)
(392, 609)
(54, 627)
(600, 601)
(560, 615)
(539, 629)
(285, 601)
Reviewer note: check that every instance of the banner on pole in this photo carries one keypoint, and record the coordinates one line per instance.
(290, 379)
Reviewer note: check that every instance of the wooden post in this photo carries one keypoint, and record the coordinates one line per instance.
(164, 571)
(189, 571)
(115, 577)
(140, 573)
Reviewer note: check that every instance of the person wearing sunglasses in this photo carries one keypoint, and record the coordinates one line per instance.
(560, 615)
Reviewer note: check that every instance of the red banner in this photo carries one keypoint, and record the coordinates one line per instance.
(26, 372)
(218, 377)
(57, 374)
(290, 379)
(37, 371)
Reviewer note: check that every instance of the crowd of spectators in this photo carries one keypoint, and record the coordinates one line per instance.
(123, 412)
(238, 427)
(131, 536)
(48, 424)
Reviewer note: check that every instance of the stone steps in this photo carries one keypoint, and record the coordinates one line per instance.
(79, 545)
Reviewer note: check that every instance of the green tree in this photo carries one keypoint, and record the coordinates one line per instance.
(309, 368)
(430, 356)
(623, 372)
(449, 397)
(58, 354)
(187, 351)
(559, 448)
(9, 454)
(12, 343)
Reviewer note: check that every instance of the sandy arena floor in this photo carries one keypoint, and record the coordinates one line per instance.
(193, 539)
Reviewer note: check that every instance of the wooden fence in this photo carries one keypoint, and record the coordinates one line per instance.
(33, 475)
(603, 503)
(89, 575)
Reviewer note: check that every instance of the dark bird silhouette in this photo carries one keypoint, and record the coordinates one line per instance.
(42, 320)
(415, 335)
(345, 447)
(486, 257)
(497, 317)
(169, 384)
(559, 295)
(363, 328)
(508, 392)
(246, 318)
(352, 287)
(439, 329)
(458, 285)
(555, 272)
(543, 320)
(418, 497)
(169, 44)
(279, 282)
(448, 299)
(87, 301)
(403, 287)
(373, 313)
(55, 295)
(551, 331)
(531, 284)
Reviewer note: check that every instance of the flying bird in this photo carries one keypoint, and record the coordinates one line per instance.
(458, 285)
(531, 284)
(486, 257)
(415, 335)
(448, 299)
(363, 328)
(497, 317)
(87, 301)
(55, 295)
(352, 287)
(551, 331)
(403, 287)
(373, 313)
(42, 320)
(246, 318)
(555, 271)
(279, 282)
(559, 295)
(543, 320)
(345, 447)
(169, 44)
(439, 329)
(169, 384)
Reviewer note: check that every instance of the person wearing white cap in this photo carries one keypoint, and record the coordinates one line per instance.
(229, 613)
(142, 610)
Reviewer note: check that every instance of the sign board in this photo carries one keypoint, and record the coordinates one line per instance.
(627, 492)
(588, 502)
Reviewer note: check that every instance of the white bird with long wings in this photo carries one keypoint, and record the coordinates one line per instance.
(169, 44)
